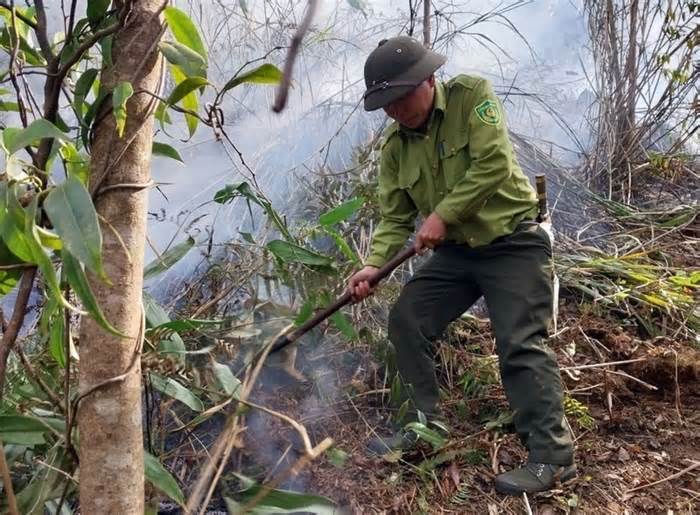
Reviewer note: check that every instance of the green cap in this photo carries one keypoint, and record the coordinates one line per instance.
(395, 68)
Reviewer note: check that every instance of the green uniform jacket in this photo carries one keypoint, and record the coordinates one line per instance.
(462, 167)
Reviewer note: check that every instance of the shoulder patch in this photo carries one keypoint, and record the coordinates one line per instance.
(488, 112)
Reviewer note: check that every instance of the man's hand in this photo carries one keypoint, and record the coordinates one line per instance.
(358, 286)
(430, 234)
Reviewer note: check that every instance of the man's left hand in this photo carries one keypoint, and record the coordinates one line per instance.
(430, 234)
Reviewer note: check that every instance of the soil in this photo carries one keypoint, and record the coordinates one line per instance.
(645, 427)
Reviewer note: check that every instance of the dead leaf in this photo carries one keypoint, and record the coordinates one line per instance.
(453, 470)
(623, 455)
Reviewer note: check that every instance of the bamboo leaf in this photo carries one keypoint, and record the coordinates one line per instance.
(57, 347)
(343, 325)
(292, 253)
(342, 212)
(72, 213)
(281, 501)
(15, 139)
(78, 281)
(157, 317)
(168, 259)
(122, 92)
(159, 477)
(429, 435)
(184, 30)
(162, 149)
(225, 378)
(264, 74)
(173, 389)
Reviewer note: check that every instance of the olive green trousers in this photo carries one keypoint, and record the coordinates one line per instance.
(514, 274)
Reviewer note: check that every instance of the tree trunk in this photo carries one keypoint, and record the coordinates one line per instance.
(109, 418)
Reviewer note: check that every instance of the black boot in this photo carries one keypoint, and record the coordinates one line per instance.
(401, 440)
(534, 477)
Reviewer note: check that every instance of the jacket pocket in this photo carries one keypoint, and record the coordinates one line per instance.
(455, 159)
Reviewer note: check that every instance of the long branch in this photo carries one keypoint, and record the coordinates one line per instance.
(9, 337)
(40, 29)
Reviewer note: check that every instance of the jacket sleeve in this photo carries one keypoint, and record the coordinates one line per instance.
(397, 210)
(491, 157)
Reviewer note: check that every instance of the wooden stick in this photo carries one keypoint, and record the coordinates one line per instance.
(693, 466)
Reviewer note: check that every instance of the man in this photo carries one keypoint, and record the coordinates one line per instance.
(448, 157)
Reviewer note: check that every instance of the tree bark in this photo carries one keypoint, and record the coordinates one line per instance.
(109, 418)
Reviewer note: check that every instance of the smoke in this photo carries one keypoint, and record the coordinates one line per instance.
(534, 63)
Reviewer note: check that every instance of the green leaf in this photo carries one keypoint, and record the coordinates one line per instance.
(12, 222)
(305, 312)
(157, 317)
(78, 281)
(8, 281)
(82, 88)
(342, 212)
(231, 191)
(429, 435)
(281, 501)
(41, 259)
(225, 378)
(96, 10)
(264, 74)
(57, 344)
(342, 245)
(22, 438)
(16, 139)
(122, 92)
(168, 259)
(337, 457)
(242, 189)
(72, 213)
(343, 325)
(26, 52)
(106, 50)
(247, 237)
(184, 30)
(186, 87)
(292, 253)
(162, 149)
(77, 165)
(159, 477)
(189, 102)
(9, 106)
(175, 390)
(189, 61)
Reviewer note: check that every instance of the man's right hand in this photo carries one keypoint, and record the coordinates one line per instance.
(358, 286)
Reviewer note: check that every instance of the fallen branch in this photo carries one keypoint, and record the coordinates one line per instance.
(7, 482)
(608, 364)
(693, 466)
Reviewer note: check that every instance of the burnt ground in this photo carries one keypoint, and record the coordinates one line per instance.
(634, 423)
